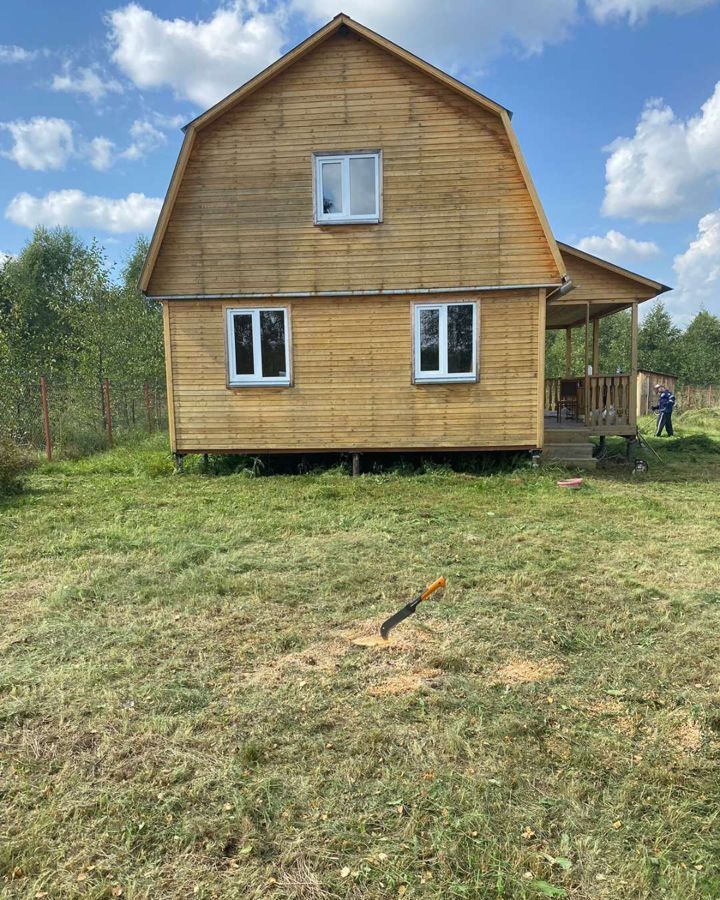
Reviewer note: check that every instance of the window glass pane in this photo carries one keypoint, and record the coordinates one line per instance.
(460, 338)
(272, 343)
(362, 187)
(243, 345)
(429, 340)
(331, 175)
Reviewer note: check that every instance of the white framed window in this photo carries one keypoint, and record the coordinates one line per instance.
(348, 188)
(258, 341)
(445, 339)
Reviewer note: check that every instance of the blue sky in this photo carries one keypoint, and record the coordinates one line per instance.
(616, 104)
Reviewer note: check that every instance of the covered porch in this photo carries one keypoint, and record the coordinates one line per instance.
(594, 401)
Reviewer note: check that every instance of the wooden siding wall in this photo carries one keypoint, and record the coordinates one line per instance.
(594, 282)
(456, 208)
(352, 386)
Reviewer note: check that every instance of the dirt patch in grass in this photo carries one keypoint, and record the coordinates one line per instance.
(526, 671)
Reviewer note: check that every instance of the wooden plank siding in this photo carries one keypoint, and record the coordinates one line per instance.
(596, 283)
(352, 380)
(456, 208)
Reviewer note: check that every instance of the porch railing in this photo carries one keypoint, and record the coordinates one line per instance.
(552, 393)
(602, 399)
(608, 398)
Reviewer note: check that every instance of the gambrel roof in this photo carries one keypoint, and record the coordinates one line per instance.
(340, 21)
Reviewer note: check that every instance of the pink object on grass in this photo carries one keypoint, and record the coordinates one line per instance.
(570, 483)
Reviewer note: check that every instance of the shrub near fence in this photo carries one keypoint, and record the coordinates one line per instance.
(74, 419)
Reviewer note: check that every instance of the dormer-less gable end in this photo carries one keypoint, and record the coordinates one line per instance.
(350, 165)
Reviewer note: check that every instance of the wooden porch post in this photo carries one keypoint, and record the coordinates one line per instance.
(596, 347)
(632, 401)
(586, 390)
(568, 352)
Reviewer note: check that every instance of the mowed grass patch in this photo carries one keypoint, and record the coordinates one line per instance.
(183, 712)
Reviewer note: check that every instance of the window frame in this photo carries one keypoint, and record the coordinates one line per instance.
(344, 157)
(441, 375)
(255, 380)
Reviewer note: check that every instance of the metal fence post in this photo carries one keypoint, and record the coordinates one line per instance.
(46, 418)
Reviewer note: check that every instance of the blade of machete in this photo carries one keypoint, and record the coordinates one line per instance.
(388, 625)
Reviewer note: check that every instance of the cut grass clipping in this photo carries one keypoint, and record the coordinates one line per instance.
(183, 712)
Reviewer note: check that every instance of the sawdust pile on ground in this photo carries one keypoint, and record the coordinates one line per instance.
(613, 713)
(404, 684)
(405, 637)
(321, 657)
(687, 737)
(325, 656)
(525, 671)
(377, 641)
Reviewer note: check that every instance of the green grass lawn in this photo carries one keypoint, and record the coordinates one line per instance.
(183, 712)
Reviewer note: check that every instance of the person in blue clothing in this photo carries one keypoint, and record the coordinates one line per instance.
(664, 409)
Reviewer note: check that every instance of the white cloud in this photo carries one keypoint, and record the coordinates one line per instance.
(86, 80)
(668, 167)
(205, 59)
(40, 143)
(146, 135)
(617, 246)
(45, 143)
(99, 152)
(201, 61)
(698, 271)
(638, 10)
(11, 53)
(75, 209)
(459, 36)
(171, 123)
(145, 138)
(463, 36)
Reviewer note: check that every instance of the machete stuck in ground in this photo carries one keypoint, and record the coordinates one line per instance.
(409, 608)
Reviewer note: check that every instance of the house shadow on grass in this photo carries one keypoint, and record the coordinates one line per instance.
(397, 463)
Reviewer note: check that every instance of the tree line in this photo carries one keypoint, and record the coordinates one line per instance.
(692, 353)
(67, 315)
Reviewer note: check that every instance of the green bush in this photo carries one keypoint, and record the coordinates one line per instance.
(79, 443)
(15, 463)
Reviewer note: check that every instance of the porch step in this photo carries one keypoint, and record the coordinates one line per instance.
(564, 435)
(571, 453)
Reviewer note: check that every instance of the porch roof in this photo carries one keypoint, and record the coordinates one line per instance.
(608, 288)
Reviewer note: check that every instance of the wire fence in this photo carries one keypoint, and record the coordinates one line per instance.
(71, 419)
(693, 396)
(75, 418)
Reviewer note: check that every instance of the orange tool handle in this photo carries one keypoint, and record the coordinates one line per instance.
(438, 583)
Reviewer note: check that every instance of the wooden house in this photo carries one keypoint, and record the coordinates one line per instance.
(352, 257)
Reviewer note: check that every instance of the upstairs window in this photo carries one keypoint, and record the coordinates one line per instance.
(258, 351)
(347, 188)
(445, 342)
